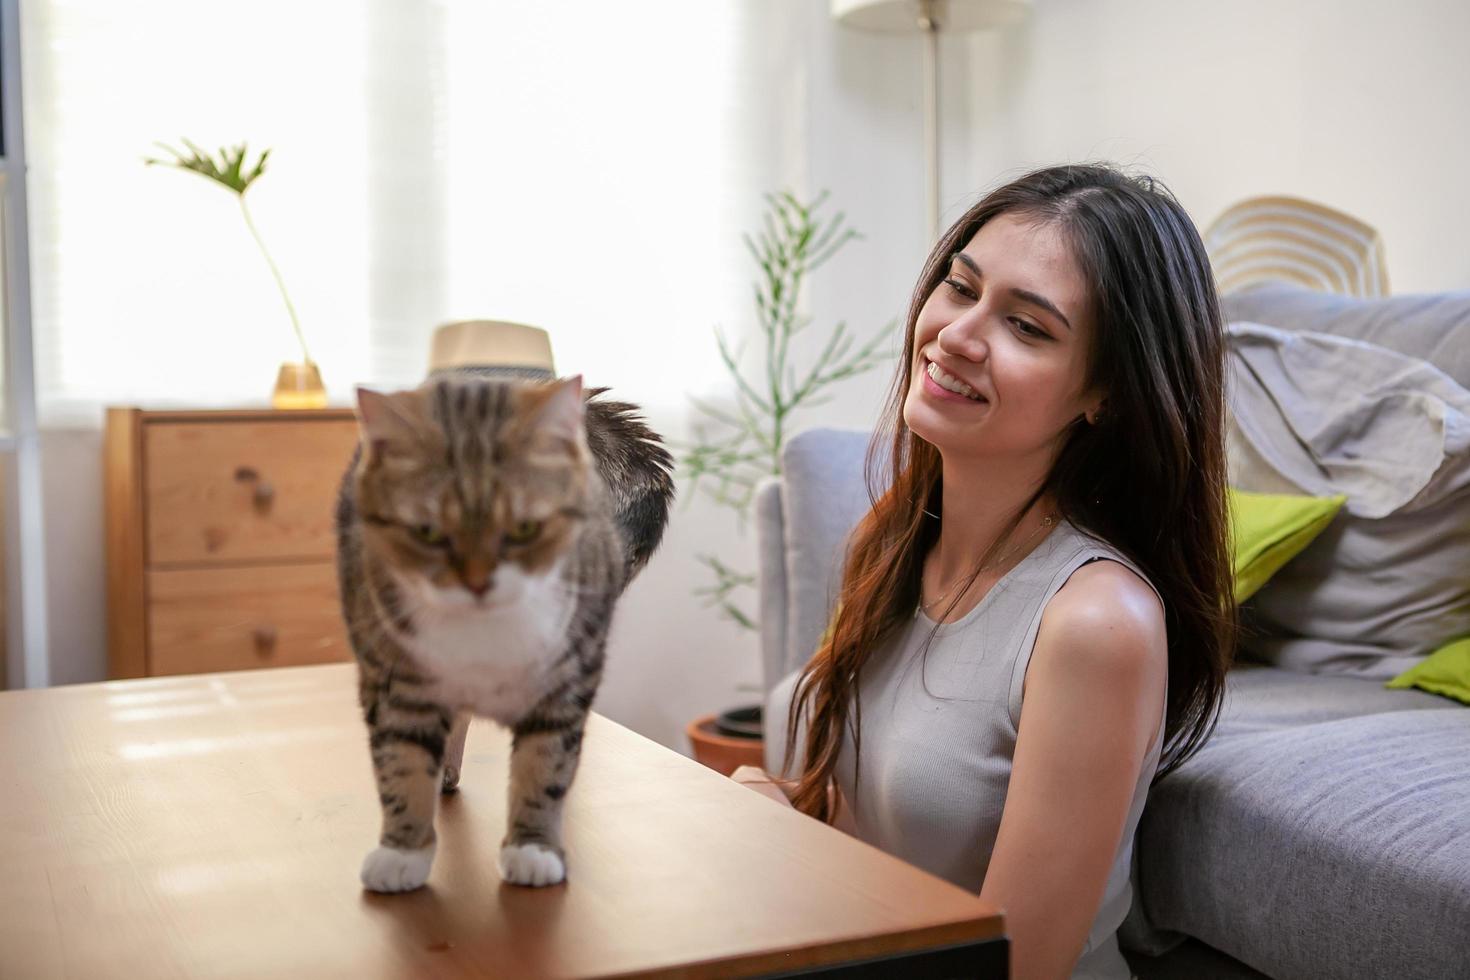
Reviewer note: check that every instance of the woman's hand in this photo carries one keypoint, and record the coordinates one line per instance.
(777, 789)
(762, 782)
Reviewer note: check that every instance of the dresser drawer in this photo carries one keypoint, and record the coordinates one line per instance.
(207, 619)
(252, 490)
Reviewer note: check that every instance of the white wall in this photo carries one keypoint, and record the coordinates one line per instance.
(1358, 105)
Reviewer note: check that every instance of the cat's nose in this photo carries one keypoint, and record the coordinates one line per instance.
(476, 575)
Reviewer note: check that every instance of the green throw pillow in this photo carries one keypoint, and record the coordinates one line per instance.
(1270, 529)
(1445, 671)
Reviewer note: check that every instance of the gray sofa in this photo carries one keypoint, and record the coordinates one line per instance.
(1323, 831)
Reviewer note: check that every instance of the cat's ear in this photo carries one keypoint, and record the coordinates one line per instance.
(386, 419)
(560, 412)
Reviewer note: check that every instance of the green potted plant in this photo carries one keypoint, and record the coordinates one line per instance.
(745, 446)
(298, 385)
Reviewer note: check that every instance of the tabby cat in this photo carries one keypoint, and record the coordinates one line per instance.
(485, 529)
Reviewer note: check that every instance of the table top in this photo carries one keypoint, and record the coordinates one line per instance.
(213, 825)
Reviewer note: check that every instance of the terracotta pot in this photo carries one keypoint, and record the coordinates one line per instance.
(723, 753)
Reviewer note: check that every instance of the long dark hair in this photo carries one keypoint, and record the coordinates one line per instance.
(1150, 481)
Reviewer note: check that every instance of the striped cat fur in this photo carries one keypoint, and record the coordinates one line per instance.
(485, 530)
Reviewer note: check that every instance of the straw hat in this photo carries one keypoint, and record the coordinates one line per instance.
(492, 347)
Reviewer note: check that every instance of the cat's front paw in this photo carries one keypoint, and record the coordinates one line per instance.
(388, 869)
(531, 864)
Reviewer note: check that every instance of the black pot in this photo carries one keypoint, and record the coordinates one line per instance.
(740, 722)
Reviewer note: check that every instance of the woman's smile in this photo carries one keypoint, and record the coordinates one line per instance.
(935, 390)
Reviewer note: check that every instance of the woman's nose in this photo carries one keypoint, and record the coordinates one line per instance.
(964, 336)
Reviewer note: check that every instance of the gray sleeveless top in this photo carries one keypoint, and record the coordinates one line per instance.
(936, 762)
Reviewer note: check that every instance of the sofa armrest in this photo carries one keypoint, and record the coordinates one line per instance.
(770, 539)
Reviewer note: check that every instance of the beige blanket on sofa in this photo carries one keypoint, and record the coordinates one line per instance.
(1388, 581)
(1331, 415)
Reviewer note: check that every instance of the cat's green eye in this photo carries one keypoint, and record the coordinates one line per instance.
(523, 532)
(427, 534)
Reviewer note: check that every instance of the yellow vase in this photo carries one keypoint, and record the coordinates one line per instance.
(299, 386)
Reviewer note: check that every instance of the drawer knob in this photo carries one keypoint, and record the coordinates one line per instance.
(265, 640)
(264, 492)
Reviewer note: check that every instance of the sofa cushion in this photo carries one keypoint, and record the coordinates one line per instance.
(1267, 699)
(1433, 327)
(1385, 584)
(1322, 832)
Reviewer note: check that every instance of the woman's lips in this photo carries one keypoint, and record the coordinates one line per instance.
(933, 390)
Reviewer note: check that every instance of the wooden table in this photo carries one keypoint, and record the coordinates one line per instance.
(213, 825)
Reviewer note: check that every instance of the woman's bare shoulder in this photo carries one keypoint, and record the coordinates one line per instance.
(1105, 617)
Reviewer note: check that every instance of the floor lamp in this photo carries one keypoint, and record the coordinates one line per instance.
(930, 17)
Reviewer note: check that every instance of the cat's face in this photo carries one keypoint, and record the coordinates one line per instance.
(471, 490)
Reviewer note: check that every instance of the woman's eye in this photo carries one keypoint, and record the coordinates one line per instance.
(959, 288)
(523, 532)
(1027, 329)
(427, 534)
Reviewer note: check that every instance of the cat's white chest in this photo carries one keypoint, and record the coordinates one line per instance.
(495, 662)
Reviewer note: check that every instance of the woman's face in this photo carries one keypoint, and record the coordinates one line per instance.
(1009, 327)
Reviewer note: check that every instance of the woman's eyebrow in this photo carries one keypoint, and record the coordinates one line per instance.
(1025, 294)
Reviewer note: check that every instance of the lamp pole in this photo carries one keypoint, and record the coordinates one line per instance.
(929, 26)
(900, 17)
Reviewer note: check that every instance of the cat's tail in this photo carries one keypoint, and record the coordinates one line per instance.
(637, 469)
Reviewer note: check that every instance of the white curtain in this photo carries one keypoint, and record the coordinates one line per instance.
(587, 167)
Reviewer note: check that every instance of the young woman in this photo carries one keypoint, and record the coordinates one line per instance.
(1037, 610)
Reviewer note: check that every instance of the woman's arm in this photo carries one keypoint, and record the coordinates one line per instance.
(1093, 697)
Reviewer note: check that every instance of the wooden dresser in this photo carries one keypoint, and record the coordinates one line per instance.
(221, 552)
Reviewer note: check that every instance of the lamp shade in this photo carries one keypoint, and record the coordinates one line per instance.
(491, 347)
(952, 15)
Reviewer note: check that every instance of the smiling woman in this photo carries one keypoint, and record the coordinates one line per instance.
(1055, 536)
(1015, 351)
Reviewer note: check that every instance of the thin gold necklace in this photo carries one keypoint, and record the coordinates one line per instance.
(1046, 521)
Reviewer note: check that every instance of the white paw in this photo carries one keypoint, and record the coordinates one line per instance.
(388, 869)
(531, 864)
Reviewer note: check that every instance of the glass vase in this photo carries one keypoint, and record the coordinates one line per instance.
(299, 386)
